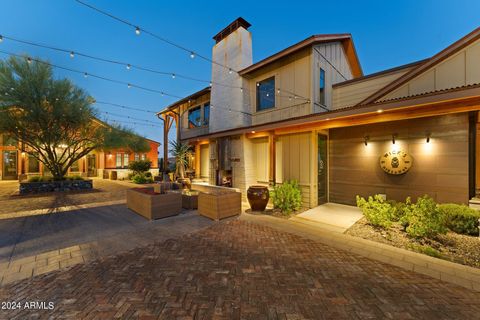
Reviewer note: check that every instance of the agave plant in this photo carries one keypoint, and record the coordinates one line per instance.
(180, 151)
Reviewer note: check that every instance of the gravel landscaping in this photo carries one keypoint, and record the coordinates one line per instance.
(451, 246)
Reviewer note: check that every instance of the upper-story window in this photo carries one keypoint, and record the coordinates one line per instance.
(266, 94)
(206, 114)
(321, 97)
(195, 117)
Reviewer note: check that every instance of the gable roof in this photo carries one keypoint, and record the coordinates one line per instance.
(193, 96)
(436, 59)
(345, 38)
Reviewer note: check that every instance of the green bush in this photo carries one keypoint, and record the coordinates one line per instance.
(377, 211)
(287, 196)
(148, 174)
(399, 209)
(75, 177)
(141, 179)
(460, 218)
(140, 166)
(423, 219)
(35, 179)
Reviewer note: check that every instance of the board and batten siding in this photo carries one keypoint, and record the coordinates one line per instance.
(262, 159)
(332, 59)
(295, 160)
(461, 69)
(440, 168)
(204, 161)
(350, 94)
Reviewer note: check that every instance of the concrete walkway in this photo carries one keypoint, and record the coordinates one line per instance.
(334, 217)
(37, 244)
(458, 274)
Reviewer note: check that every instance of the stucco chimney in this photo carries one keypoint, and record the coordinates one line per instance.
(233, 48)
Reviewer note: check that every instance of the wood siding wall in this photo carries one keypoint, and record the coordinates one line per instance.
(440, 168)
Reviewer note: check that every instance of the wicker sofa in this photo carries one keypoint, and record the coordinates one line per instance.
(152, 205)
(217, 203)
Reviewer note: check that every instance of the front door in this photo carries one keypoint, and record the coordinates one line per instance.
(322, 169)
(91, 165)
(10, 165)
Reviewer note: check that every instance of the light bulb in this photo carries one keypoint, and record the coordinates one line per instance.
(173, 75)
(72, 54)
(129, 66)
(137, 31)
(129, 86)
(230, 71)
(1, 38)
(210, 83)
(29, 60)
(241, 89)
(85, 74)
(278, 91)
(192, 54)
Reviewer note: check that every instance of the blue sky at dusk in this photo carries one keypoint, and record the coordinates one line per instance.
(386, 34)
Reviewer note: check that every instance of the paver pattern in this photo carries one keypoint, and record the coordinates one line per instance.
(240, 270)
(104, 190)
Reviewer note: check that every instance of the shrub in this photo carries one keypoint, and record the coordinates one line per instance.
(35, 179)
(140, 166)
(399, 209)
(460, 218)
(429, 251)
(148, 174)
(141, 179)
(423, 219)
(287, 196)
(377, 211)
(75, 177)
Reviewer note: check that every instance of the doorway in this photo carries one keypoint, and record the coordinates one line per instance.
(10, 165)
(91, 165)
(322, 169)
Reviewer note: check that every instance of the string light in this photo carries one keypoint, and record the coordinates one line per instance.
(1, 38)
(85, 75)
(72, 54)
(192, 54)
(137, 31)
(230, 71)
(129, 66)
(173, 75)
(29, 60)
(129, 86)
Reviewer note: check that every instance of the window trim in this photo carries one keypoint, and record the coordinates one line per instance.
(257, 94)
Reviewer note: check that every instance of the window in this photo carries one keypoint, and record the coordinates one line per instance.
(137, 157)
(125, 160)
(206, 114)
(9, 140)
(118, 160)
(33, 164)
(266, 94)
(75, 167)
(144, 156)
(321, 96)
(194, 118)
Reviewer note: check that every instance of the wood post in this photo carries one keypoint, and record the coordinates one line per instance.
(272, 158)
(197, 160)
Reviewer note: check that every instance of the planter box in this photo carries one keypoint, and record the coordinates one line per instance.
(219, 205)
(55, 186)
(151, 205)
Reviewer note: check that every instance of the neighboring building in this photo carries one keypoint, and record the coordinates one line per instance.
(15, 164)
(308, 113)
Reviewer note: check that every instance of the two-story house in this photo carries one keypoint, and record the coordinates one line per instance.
(308, 113)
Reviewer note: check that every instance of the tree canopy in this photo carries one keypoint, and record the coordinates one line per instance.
(53, 119)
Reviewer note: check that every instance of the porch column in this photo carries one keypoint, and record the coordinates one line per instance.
(197, 160)
(167, 124)
(477, 158)
(272, 158)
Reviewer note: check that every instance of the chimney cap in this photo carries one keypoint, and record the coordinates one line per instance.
(239, 22)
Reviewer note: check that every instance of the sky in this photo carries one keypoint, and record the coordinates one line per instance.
(386, 34)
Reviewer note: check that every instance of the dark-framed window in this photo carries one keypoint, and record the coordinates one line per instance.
(321, 97)
(33, 164)
(266, 94)
(195, 117)
(206, 114)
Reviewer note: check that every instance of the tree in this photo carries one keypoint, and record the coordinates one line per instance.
(180, 151)
(53, 119)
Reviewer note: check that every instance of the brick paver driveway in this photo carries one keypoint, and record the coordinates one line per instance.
(239, 270)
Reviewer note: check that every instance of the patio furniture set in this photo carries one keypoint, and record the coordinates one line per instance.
(167, 199)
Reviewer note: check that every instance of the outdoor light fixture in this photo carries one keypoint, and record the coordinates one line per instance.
(428, 137)
(129, 66)
(365, 140)
(210, 84)
(379, 111)
(393, 138)
(253, 131)
(137, 31)
(278, 91)
(72, 54)
(192, 54)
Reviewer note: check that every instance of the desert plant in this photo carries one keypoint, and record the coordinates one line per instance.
(139, 166)
(423, 218)
(460, 218)
(377, 211)
(287, 196)
(180, 151)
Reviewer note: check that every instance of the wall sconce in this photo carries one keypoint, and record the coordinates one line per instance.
(393, 138)
(428, 137)
(365, 140)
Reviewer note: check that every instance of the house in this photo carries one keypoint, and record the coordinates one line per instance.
(309, 113)
(16, 164)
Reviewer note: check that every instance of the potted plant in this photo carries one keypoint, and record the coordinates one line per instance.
(181, 151)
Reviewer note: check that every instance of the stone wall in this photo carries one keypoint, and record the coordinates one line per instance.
(55, 186)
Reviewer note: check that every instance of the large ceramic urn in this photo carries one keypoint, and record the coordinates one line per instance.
(258, 197)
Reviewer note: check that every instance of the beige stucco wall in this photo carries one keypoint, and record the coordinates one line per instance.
(461, 69)
(440, 168)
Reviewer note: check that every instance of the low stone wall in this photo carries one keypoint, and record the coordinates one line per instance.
(54, 186)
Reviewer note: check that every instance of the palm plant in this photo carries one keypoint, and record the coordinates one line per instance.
(180, 151)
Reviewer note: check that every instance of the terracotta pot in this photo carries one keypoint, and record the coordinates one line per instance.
(258, 197)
